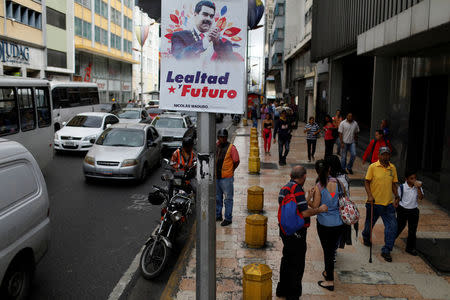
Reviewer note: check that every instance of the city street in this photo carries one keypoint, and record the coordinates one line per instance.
(96, 231)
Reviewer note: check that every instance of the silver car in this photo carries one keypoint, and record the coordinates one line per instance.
(124, 151)
(173, 127)
(133, 115)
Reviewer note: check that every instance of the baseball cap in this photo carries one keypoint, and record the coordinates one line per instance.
(384, 150)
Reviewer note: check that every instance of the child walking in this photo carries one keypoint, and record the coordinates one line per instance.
(407, 212)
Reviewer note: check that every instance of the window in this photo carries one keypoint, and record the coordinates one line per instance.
(43, 107)
(104, 37)
(116, 16)
(87, 30)
(60, 98)
(74, 97)
(128, 3)
(56, 18)
(127, 45)
(127, 23)
(85, 98)
(116, 41)
(26, 109)
(85, 3)
(98, 32)
(78, 27)
(9, 120)
(104, 9)
(93, 94)
(23, 15)
(56, 58)
(98, 7)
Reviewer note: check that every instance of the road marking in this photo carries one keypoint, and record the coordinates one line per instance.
(126, 278)
(140, 203)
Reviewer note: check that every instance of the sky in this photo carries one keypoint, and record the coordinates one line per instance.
(256, 39)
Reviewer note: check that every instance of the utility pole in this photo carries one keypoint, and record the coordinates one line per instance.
(206, 208)
(141, 96)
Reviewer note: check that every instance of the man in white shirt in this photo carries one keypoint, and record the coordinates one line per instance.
(348, 135)
(407, 211)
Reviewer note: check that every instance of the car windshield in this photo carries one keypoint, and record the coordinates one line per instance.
(168, 123)
(154, 111)
(118, 137)
(86, 121)
(129, 114)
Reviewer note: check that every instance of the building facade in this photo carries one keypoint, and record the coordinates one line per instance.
(269, 86)
(390, 60)
(60, 51)
(23, 38)
(150, 59)
(276, 48)
(103, 46)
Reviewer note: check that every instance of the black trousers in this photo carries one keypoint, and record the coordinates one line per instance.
(329, 144)
(329, 237)
(410, 216)
(311, 148)
(292, 265)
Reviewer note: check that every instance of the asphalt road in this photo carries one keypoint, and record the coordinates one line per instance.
(96, 231)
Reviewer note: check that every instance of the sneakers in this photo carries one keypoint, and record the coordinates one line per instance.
(225, 223)
(413, 252)
(387, 257)
(219, 218)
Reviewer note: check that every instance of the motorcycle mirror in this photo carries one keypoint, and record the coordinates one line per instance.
(166, 161)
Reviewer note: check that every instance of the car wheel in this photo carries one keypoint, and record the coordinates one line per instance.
(17, 281)
(144, 172)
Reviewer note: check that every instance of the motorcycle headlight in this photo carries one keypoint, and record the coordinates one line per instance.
(175, 216)
(89, 160)
(88, 138)
(129, 162)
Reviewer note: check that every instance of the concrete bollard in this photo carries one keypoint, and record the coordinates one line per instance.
(254, 143)
(255, 198)
(254, 151)
(255, 231)
(257, 282)
(244, 122)
(253, 130)
(254, 165)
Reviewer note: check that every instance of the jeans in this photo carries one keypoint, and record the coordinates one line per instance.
(225, 186)
(283, 144)
(329, 237)
(410, 216)
(387, 214)
(311, 148)
(338, 146)
(329, 147)
(255, 122)
(292, 265)
(348, 147)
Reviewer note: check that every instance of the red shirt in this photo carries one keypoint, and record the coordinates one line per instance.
(375, 150)
(329, 131)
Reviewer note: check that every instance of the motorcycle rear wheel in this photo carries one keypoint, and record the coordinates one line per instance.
(152, 264)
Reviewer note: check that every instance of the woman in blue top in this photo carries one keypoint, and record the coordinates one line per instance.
(329, 224)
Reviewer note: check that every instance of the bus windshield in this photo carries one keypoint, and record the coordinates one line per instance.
(86, 121)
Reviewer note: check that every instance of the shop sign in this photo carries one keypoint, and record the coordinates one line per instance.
(309, 84)
(101, 84)
(13, 53)
(126, 86)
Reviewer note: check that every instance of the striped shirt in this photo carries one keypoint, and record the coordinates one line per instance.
(299, 197)
(310, 134)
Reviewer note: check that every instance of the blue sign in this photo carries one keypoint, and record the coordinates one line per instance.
(14, 53)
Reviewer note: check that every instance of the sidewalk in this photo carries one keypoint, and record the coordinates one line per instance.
(407, 277)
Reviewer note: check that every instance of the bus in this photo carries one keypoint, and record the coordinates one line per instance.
(26, 116)
(72, 98)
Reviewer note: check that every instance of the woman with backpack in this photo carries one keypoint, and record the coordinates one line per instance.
(330, 135)
(329, 224)
(374, 147)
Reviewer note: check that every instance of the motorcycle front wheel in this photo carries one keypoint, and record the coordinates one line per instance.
(152, 264)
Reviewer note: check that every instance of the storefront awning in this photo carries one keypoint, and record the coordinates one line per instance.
(107, 54)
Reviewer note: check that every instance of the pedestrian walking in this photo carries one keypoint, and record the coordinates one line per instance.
(267, 126)
(264, 111)
(254, 116)
(312, 130)
(227, 160)
(385, 127)
(407, 211)
(337, 119)
(381, 182)
(371, 153)
(294, 246)
(283, 129)
(329, 224)
(330, 135)
(348, 135)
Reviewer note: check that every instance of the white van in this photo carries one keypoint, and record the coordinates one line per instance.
(24, 219)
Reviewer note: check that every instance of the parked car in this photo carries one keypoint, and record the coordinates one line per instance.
(153, 112)
(133, 115)
(193, 116)
(76, 134)
(124, 151)
(24, 219)
(110, 107)
(173, 127)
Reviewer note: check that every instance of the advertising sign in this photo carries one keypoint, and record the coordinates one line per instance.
(203, 52)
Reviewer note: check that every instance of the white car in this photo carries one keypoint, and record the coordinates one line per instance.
(77, 134)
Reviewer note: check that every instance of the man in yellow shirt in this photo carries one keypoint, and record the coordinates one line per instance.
(381, 185)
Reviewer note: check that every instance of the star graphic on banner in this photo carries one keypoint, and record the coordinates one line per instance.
(171, 90)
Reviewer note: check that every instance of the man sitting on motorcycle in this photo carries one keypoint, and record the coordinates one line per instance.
(183, 158)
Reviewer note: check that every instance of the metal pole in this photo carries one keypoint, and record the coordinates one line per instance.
(141, 97)
(206, 209)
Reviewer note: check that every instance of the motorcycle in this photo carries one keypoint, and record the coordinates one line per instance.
(178, 204)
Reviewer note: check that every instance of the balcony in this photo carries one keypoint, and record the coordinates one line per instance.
(278, 35)
(279, 9)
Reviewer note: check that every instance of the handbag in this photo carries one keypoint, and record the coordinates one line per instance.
(347, 208)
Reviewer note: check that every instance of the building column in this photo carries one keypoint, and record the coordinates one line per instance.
(335, 86)
(444, 197)
(381, 92)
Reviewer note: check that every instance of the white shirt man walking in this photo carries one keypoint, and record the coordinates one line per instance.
(348, 135)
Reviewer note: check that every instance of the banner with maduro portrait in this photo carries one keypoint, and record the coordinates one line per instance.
(203, 48)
